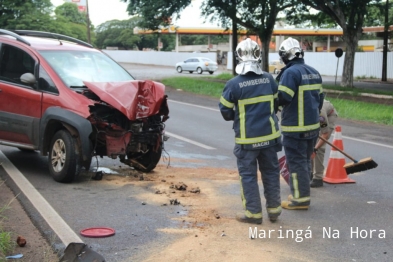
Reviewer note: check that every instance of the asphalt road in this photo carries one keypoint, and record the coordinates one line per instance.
(198, 132)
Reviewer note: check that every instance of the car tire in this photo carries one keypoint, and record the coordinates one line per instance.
(211, 72)
(199, 70)
(64, 157)
(179, 69)
(191, 72)
(275, 71)
(149, 160)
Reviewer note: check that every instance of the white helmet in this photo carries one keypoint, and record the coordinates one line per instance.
(249, 54)
(289, 49)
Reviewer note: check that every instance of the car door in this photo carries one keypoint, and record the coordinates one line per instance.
(194, 64)
(187, 64)
(20, 103)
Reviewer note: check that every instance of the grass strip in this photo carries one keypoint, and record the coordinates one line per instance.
(347, 108)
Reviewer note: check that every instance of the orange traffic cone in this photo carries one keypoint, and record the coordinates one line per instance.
(335, 172)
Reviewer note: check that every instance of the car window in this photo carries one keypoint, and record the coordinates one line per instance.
(45, 83)
(74, 67)
(14, 62)
(189, 60)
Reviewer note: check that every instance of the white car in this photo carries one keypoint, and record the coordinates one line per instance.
(198, 64)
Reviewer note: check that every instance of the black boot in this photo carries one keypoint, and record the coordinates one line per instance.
(316, 183)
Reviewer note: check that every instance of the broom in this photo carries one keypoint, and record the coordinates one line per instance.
(355, 166)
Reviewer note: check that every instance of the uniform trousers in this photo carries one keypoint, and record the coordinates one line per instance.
(298, 156)
(248, 162)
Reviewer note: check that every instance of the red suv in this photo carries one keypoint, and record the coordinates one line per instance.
(70, 101)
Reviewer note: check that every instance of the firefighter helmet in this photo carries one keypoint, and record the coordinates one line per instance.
(248, 54)
(290, 49)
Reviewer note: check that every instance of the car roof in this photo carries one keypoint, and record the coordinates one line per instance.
(200, 57)
(39, 43)
(44, 41)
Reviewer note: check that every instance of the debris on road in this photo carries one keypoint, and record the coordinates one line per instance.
(174, 202)
(195, 190)
(21, 241)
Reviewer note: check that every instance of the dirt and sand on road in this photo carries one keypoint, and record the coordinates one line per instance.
(206, 231)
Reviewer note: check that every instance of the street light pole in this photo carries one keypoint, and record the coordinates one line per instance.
(385, 43)
(88, 22)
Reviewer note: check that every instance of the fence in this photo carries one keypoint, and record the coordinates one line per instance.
(367, 64)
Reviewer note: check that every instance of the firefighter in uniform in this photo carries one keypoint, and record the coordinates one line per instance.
(249, 100)
(300, 96)
(327, 119)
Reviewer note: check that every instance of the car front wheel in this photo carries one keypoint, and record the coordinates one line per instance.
(64, 159)
(199, 70)
(179, 69)
(148, 160)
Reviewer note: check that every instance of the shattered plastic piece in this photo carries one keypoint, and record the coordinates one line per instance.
(14, 256)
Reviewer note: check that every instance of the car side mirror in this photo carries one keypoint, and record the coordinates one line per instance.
(28, 78)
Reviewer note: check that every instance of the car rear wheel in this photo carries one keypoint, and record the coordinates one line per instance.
(211, 72)
(199, 70)
(179, 69)
(64, 159)
(191, 72)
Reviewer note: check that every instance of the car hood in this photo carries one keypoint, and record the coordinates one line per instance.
(135, 99)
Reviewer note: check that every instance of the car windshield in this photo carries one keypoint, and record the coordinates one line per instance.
(74, 67)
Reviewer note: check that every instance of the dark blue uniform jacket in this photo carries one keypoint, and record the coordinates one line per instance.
(249, 101)
(299, 92)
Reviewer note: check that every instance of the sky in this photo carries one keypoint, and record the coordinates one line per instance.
(101, 11)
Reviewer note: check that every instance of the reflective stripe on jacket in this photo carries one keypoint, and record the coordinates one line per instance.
(249, 101)
(298, 93)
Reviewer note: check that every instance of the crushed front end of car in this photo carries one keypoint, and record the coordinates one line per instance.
(128, 121)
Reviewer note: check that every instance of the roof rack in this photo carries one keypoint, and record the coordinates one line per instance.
(18, 33)
(52, 35)
(6, 32)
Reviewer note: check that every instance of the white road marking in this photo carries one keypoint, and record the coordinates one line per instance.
(367, 142)
(54, 220)
(217, 110)
(189, 141)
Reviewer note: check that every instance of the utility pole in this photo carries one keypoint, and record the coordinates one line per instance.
(88, 22)
(234, 37)
(385, 43)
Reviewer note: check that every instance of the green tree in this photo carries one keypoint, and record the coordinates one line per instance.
(257, 16)
(155, 13)
(71, 13)
(119, 33)
(72, 22)
(25, 14)
(350, 16)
